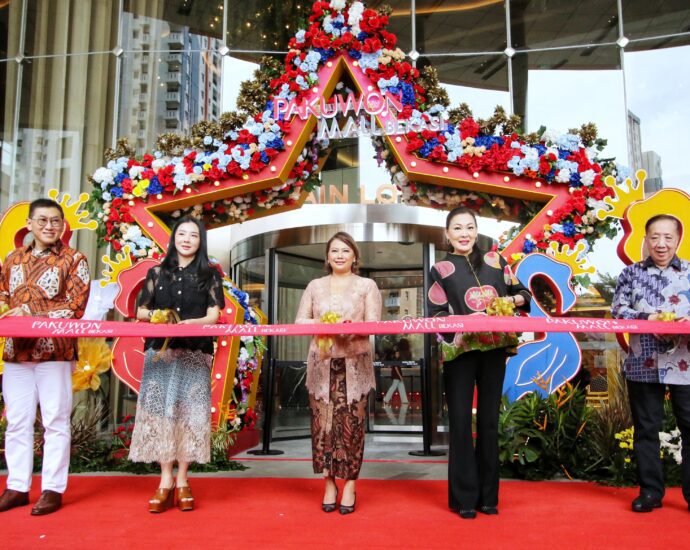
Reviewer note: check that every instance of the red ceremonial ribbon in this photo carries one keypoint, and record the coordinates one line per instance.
(40, 327)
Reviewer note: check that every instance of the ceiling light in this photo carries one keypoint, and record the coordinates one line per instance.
(413, 55)
(623, 41)
(510, 52)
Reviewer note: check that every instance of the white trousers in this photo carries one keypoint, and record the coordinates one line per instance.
(24, 385)
(400, 386)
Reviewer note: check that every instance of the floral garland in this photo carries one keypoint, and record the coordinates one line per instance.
(554, 159)
(239, 415)
(338, 26)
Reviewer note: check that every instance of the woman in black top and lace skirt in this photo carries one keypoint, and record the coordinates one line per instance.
(468, 281)
(173, 418)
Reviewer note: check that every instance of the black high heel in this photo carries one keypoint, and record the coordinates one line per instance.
(331, 506)
(348, 509)
(489, 510)
(467, 514)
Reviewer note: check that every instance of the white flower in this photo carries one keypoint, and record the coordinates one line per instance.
(135, 171)
(104, 175)
(158, 164)
(337, 5)
(132, 233)
(587, 177)
(563, 176)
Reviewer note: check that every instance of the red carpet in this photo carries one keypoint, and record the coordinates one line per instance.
(110, 512)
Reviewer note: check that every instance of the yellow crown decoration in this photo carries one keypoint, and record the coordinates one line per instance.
(624, 196)
(567, 256)
(77, 219)
(114, 267)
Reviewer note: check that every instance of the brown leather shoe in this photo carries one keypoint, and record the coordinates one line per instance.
(11, 499)
(49, 502)
(185, 500)
(162, 499)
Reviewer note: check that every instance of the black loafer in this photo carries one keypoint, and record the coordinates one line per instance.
(645, 503)
(489, 510)
(467, 514)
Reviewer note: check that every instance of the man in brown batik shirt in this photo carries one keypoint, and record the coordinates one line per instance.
(44, 279)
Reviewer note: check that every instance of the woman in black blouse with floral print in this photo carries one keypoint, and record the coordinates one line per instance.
(173, 418)
(466, 282)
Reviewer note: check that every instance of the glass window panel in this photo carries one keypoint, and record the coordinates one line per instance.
(265, 24)
(10, 27)
(9, 14)
(452, 26)
(59, 142)
(483, 72)
(201, 18)
(399, 21)
(166, 90)
(538, 24)
(67, 27)
(658, 104)
(645, 18)
(269, 25)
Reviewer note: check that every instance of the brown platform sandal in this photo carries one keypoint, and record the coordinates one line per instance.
(185, 500)
(162, 500)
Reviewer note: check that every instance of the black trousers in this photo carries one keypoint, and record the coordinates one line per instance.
(647, 405)
(473, 470)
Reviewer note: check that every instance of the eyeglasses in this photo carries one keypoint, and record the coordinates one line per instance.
(42, 222)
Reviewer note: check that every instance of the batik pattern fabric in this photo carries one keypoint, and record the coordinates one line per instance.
(337, 428)
(459, 289)
(644, 289)
(54, 283)
(173, 417)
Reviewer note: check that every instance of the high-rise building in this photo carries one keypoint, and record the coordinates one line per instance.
(651, 162)
(170, 79)
(634, 141)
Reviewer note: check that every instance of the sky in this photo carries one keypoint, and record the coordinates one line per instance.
(656, 89)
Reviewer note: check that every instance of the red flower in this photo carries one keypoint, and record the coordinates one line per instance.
(469, 128)
(683, 365)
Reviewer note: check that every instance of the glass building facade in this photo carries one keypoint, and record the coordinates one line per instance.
(77, 74)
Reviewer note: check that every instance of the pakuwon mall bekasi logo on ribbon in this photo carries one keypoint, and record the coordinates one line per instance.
(361, 115)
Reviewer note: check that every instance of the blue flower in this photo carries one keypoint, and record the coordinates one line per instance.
(325, 54)
(528, 247)
(300, 36)
(116, 192)
(488, 141)
(575, 180)
(354, 54)
(408, 95)
(362, 36)
(276, 143)
(121, 176)
(154, 186)
(569, 229)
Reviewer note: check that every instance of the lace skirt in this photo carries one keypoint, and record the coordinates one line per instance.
(173, 418)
